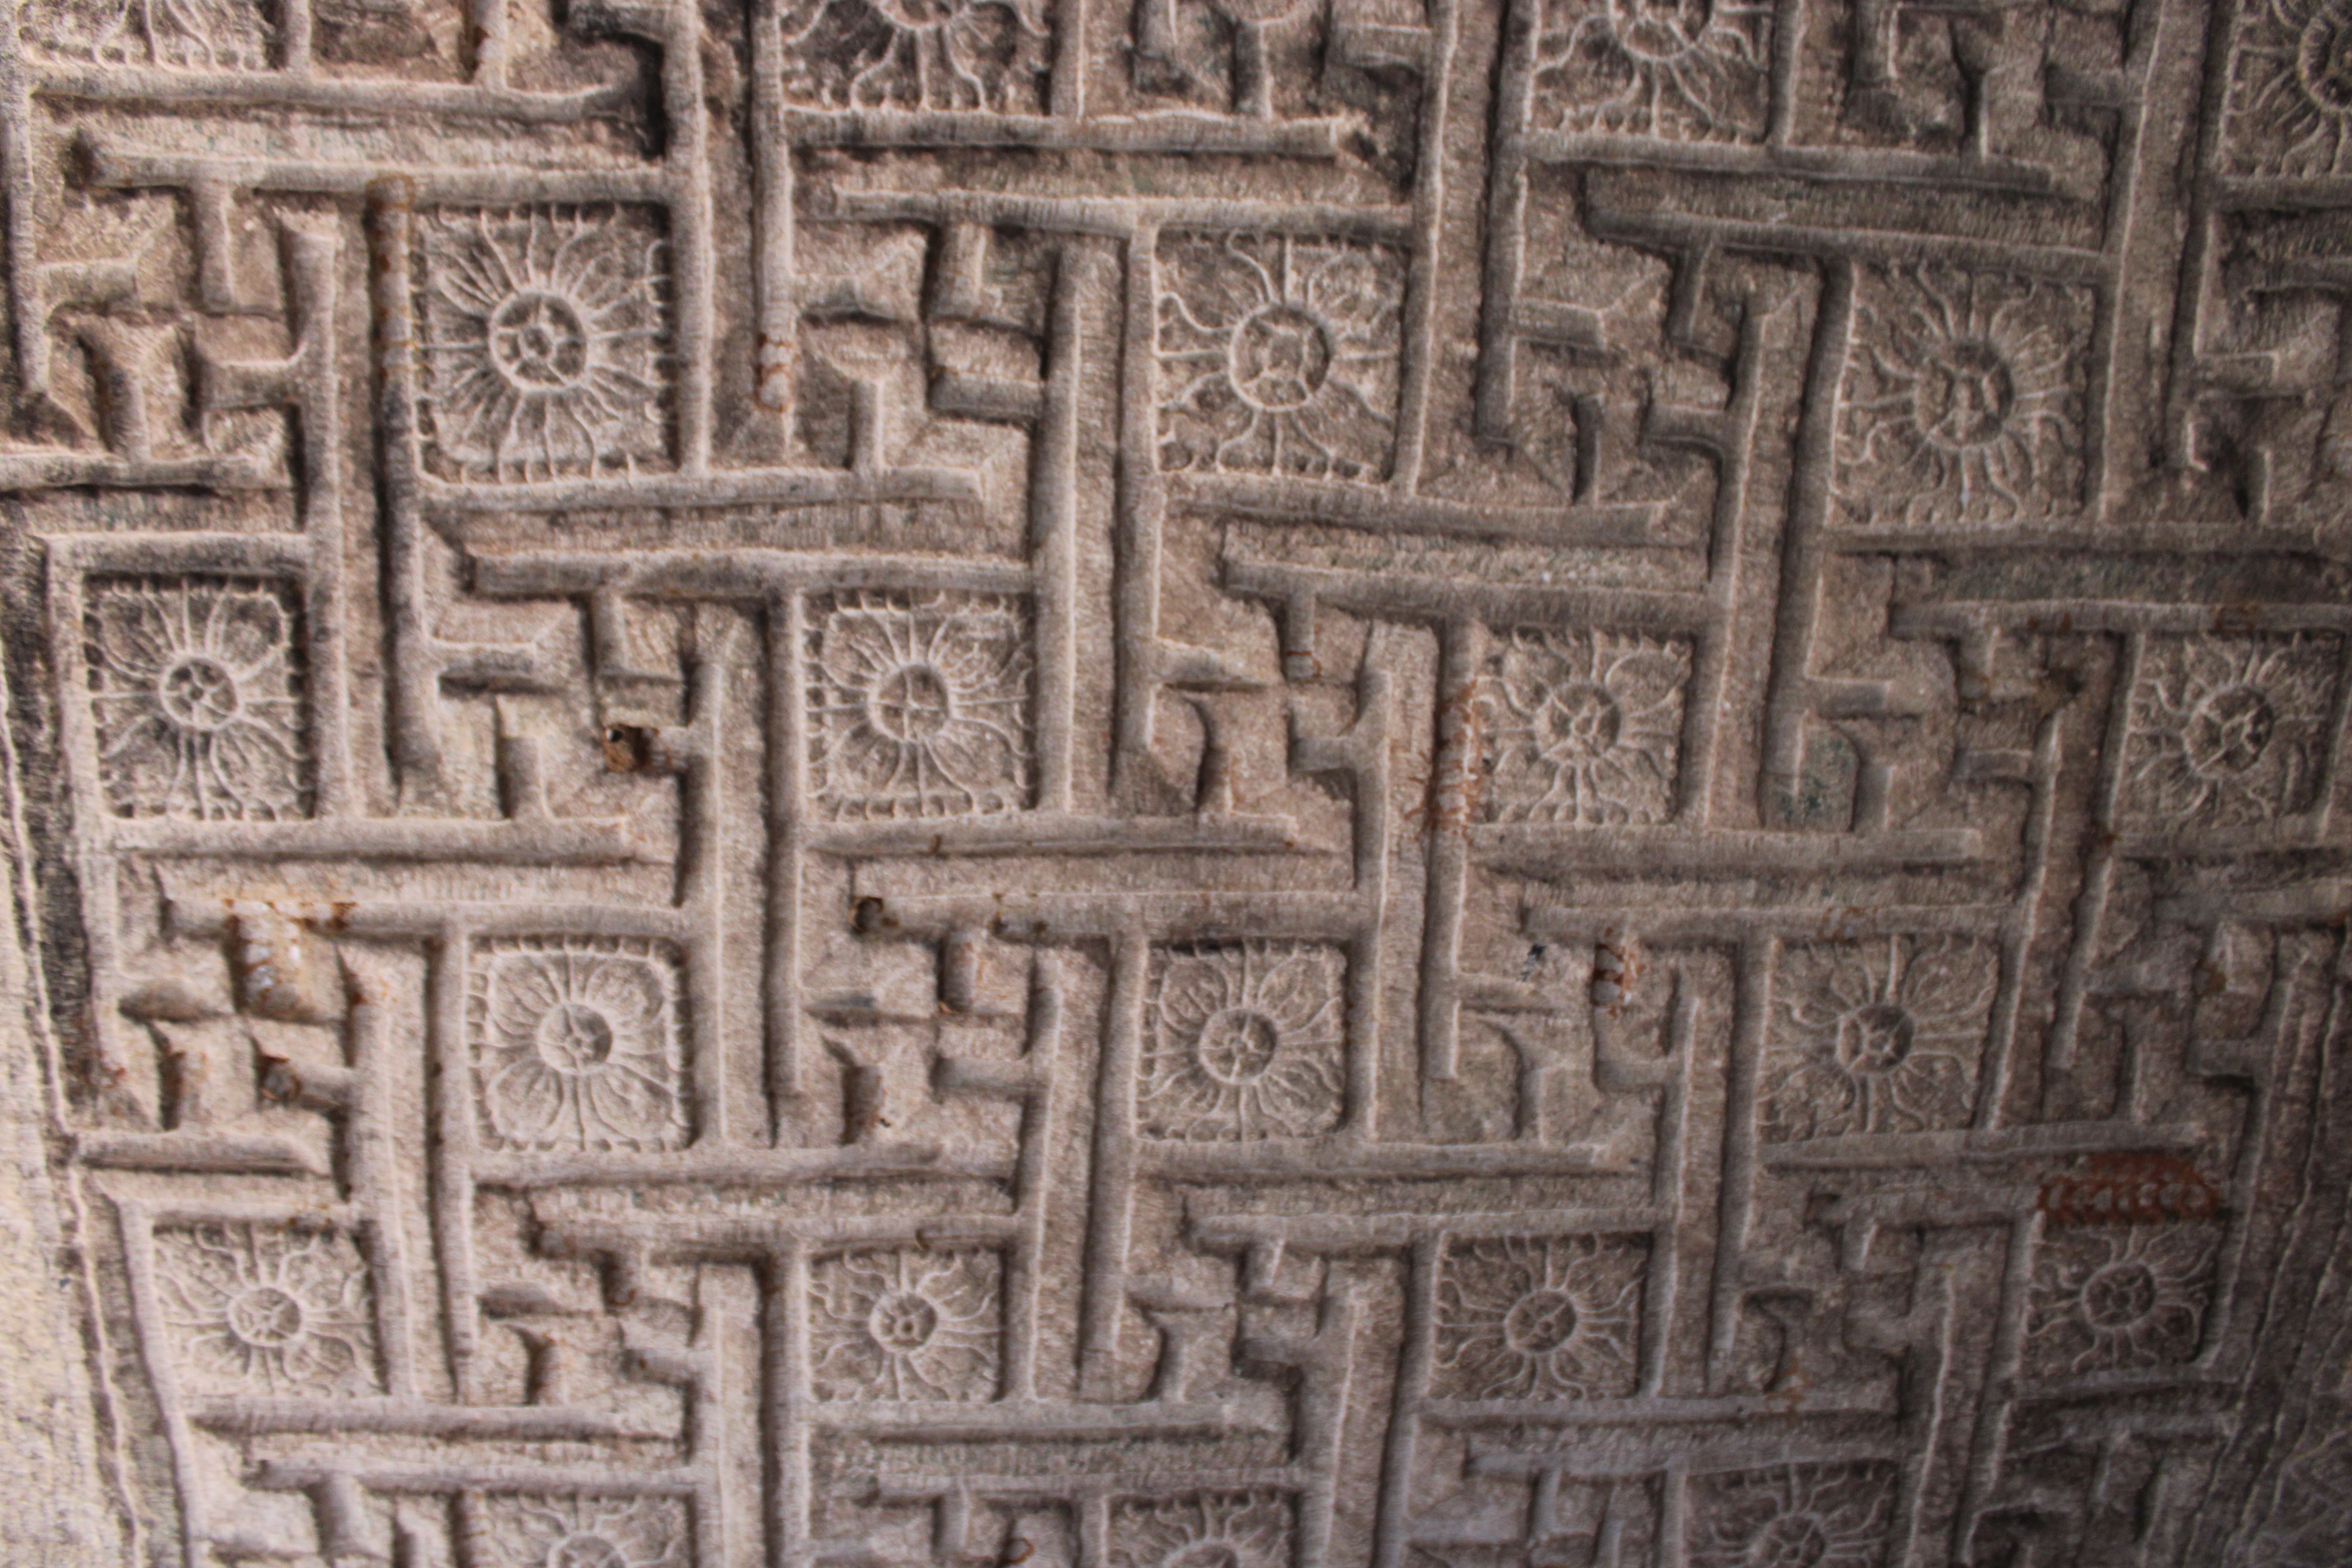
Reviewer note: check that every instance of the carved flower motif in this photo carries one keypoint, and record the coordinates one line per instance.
(2291, 89)
(1277, 354)
(579, 1530)
(576, 1045)
(2119, 1296)
(2228, 730)
(1877, 1037)
(1792, 1516)
(1963, 399)
(916, 53)
(1244, 1040)
(196, 693)
(172, 35)
(540, 341)
(1203, 1530)
(267, 1310)
(1538, 1318)
(1583, 727)
(921, 704)
(908, 1324)
(1683, 71)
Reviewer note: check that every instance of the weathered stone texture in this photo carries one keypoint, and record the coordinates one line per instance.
(1190, 784)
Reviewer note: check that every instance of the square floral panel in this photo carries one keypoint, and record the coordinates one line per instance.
(542, 340)
(2228, 731)
(906, 1323)
(1277, 354)
(1879, 1036)
(1824, 1516)
(1244, 1040)
(2111, 1295)
(984, 54)
(578, 1530)
(197, 697)
(919, 704)
(1582, 727)
(1204, 1530)
(1963, 400)
(162, 35)
(578, 1044)
(2289, 101)
(275, 1309)
(1632, 67)
(1555, 1317)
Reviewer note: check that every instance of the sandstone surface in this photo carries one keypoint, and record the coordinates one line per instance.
(1176, 783)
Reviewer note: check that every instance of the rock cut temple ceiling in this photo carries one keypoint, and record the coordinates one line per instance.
(1202, 783)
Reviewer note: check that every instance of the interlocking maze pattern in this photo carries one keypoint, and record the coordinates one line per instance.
(1225, 785)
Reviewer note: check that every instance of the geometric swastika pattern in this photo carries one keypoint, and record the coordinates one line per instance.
(1203, 784)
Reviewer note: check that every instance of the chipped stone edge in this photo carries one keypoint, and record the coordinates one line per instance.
(62, 1499)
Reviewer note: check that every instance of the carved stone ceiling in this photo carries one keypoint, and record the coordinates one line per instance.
(1203, 784)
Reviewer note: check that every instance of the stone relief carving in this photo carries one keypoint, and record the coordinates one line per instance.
(1877, 1036)
(615, 1528)
(254, 1309)
(2118, 1297)
(1583, 728)
(1277, 354)
(919, 705)
(1795, 1513)
(1552, 1317)
(1962, 402)
(578, 1045)
(2227, 729)
(1677, 72)
(196, 692)
(1247, 1040)
(849, 54)
(541, 346)
(906, 1325)
(1212, 784)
